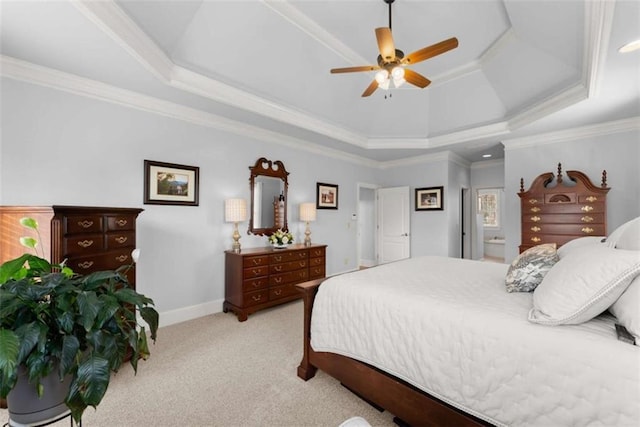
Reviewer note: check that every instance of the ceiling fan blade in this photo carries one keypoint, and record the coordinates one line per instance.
(385, 44)
(370, 89)
(416, 79)
(430, 51)
(355, 69)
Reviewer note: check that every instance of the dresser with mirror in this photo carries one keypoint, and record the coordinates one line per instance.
(263, 277)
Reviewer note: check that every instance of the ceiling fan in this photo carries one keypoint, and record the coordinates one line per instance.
(392, 62)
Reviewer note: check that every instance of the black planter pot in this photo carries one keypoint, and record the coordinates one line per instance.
(25, 407)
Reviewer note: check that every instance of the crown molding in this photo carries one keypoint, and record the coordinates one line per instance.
(458, 160)
(591, 131)
(484, 164)
(426, 158)
(598, 25)
(35, 74)
(111, 19)
(314, 30)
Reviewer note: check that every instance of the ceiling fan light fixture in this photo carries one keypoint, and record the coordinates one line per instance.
(397, 73)
(398, 82)
(382, 76)
(384, 85)
(630, 47)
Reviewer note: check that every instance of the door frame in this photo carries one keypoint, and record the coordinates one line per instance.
(407, 225)
(374, 221)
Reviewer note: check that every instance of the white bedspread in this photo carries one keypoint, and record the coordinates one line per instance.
(449, 327)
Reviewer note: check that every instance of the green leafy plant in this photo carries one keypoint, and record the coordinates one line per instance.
(83, 326)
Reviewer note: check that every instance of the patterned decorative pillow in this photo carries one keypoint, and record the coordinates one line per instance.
(529, 268)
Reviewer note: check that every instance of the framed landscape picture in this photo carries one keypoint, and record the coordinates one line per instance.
(326, 196)
(429, 199)
(170, 184)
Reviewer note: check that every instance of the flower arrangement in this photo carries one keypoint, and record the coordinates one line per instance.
(281, 238)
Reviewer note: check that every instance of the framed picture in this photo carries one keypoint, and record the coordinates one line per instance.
(429, 199)
(170, 184)
(326, 196)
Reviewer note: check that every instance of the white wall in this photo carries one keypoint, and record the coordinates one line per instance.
(59, 148)
(617, 153)
(429, 229)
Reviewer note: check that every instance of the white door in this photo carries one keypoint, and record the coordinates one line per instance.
(393, 224)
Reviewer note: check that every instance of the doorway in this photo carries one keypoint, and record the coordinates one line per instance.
(366, 223)
(394, 236)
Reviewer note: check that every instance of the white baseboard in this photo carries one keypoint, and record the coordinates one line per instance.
(179, 315)
(367, 263)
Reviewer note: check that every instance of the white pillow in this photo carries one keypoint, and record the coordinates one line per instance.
(627, 309)
(578, 243)
(583, 284)
(630, 238)
(616, 235)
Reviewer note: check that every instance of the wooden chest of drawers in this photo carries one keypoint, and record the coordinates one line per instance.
(89, 238)
(258, 278)
(559, 213)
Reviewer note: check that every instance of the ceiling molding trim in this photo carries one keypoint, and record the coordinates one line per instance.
(35, 74)
(479, 132)
(598, 26)
(187, 80)
(591, 131)
(548, 106)
(484, 164)
(458, 160)
(111, 19)
(390, 143)
(506, 38)
(315, 31)
(427, 158)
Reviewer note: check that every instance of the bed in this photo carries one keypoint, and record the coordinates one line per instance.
(453, 342)
(438, 341)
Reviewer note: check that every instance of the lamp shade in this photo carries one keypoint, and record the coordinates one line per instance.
(235, 210)
(307, 212)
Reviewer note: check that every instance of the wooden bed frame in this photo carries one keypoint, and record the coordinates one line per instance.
(408, 404)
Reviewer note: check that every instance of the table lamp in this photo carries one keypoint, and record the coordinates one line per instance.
(307, 213)
(235, 210)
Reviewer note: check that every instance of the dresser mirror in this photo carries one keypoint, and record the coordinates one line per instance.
(268, 181)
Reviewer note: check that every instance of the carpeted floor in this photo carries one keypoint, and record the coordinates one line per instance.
(216, 371)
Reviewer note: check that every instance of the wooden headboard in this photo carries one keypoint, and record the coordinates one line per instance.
(556, 211)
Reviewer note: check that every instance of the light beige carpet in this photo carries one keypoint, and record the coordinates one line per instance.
(216, 371)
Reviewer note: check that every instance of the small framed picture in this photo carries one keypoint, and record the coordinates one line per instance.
(326, 196)
(429, 199)
(170, 184)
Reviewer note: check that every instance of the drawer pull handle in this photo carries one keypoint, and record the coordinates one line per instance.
(278, 268)
(535, 218)
(536, 239)
(256, 272)
(256, 298)
(85, 243)
(302, 255)
(256, 261)
(535, 228)
(277, 279)
(586, 219)
(302, 263)
(85, 264)
(278, 292)
(121, 239)
(591, 199)
(587, 208)
(122, 258)
(587, 230)
(533, 201)
(278, 258)
(535, 209)
(85, 224)
(122, 222)
(256, 284)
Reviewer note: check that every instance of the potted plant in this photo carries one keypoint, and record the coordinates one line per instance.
(59, 328)
(280, 239)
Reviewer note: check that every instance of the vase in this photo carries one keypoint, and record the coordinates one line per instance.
(279, 246)
(26, 408)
